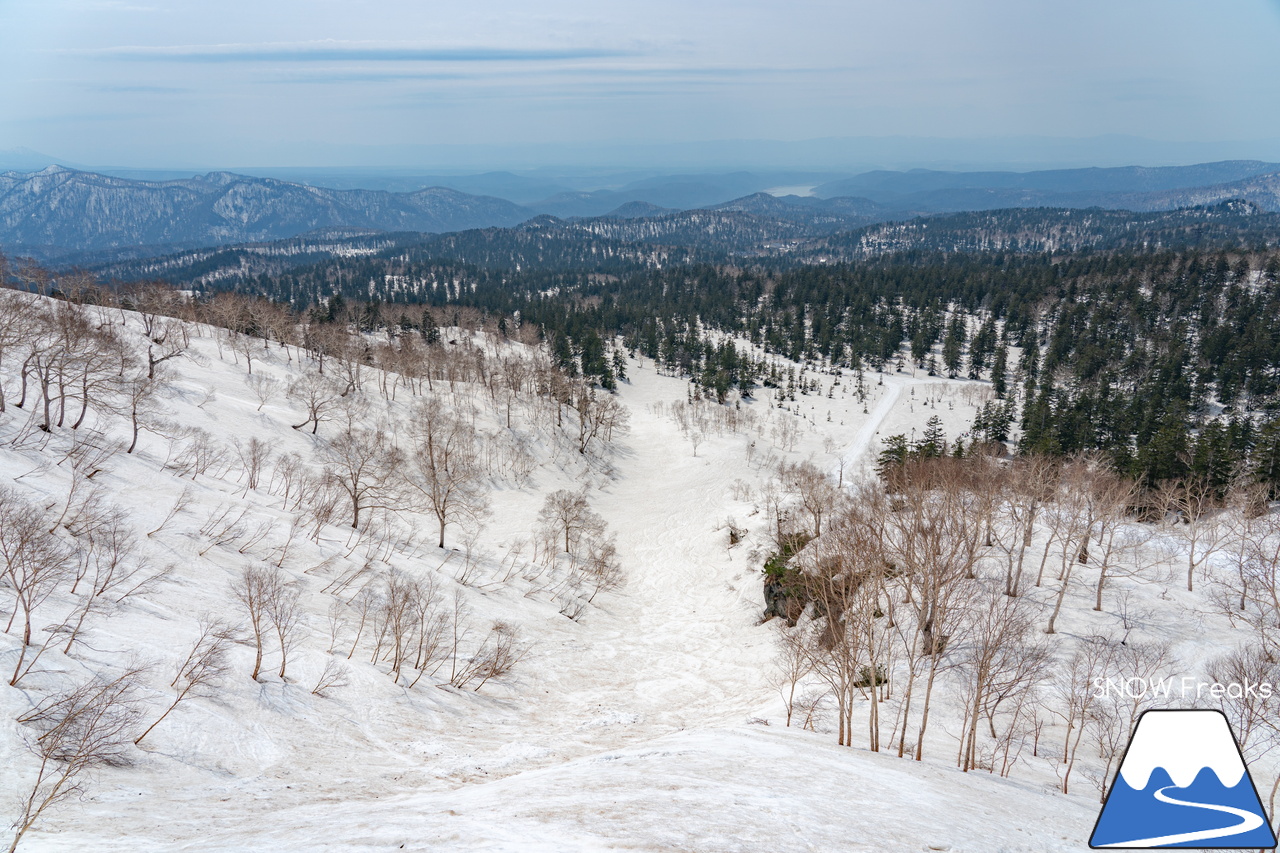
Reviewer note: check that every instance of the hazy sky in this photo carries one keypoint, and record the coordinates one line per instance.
(335, 82)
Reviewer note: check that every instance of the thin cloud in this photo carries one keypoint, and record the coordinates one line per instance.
(364, 77)
(347, 52)
(594, 72)
(141, 90)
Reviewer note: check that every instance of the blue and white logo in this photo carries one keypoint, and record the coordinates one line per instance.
(1183, 783)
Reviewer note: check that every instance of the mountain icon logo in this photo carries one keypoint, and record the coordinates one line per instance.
(1183, 783)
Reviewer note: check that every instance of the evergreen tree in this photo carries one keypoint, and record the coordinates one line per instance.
(1213, 460)
(894, 455)
(1265, 459)
(981, 347)
(430, 331)
(933, 442)
(953, 345)
(999, 370)
(1163, 458)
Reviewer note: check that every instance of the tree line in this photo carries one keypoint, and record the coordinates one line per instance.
(952, 573)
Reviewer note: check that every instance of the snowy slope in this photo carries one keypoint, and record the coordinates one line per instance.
(715, 789)
(628, 729)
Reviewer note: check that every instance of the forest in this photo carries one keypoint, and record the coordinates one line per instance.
(1166, 361)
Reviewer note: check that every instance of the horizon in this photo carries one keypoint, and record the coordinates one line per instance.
(614, 171)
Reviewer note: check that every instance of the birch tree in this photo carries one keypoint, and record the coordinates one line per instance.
(444, 471)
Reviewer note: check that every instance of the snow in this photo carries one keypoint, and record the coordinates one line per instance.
(739, 789)
(636, 728)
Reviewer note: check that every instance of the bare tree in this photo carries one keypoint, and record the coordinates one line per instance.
(1114, 714)
(565, 516)
(1114, 535)
(243, 345)
(178, 506)
(317, 394)
(497, 655)
(86, 727)
(1003, 660)
(224, 527)
(444, 469)
(151, 302)
(202, 669)
(255, 588)
(34, 277)
(1032, 482)
(15, 324)
(431, 628)
(253, 455)
(600, 566)
(285, 614)
(793, 664)
(34, 564)
(600, 415)
(1252, 719)
(1192, 505)
(365, 603)
(1087, 487)
(139, 400)
(932, 540)
(264, 388)
(810, 485)
(111, 569)
(844, 575)
(199, 453)
(92, 371)
(45, 362)
(167, 343)
(1251, 594)
(363, 464)
(393, 621)
(333, 675)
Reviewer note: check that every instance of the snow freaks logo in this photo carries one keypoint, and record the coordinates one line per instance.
(1190, 688)
(1183, 783)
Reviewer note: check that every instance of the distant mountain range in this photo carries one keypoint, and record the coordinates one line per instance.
(58, 211)
(1129, 187)
(1228, 224)
(616, 245)
(66, 215)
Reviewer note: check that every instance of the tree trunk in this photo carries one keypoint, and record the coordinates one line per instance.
(906, 711)
(257, 659)
(284, 654)
(1062, 594)
(84, 405)
(139, 738)
(924, 714)
(48, 403)
(134, 443)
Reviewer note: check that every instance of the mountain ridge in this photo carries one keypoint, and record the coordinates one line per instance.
(59, 210)
(65, 215)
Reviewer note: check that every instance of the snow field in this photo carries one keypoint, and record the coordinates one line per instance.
(628, 729)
